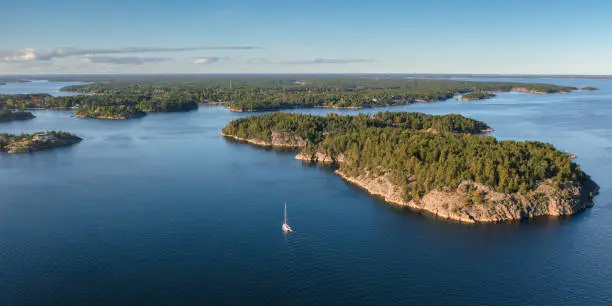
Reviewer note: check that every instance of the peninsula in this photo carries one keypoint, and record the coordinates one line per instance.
(36, 142)
(432, 163)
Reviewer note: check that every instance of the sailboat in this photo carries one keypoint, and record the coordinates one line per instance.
(286, 228)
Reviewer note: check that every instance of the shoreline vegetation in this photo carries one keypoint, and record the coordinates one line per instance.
(473, 96)
(589, 88)
(132, 97)
(97, 106)
(9, 115)
(24, 143)
(436, 164)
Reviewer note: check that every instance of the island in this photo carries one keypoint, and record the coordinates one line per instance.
(589, 88)
(110, 97)
(102, 106)
(542, 90)
(435, 164)
(108, 112)
(9, 115)
(24, 143)
(481, 95)
(275, 92)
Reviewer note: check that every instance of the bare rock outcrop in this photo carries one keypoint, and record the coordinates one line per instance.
(321, 157)
(472, 202)
(277, 139)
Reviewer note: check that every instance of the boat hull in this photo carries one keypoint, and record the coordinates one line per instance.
(286, 228)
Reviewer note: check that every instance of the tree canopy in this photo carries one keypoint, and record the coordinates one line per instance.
(399, 145)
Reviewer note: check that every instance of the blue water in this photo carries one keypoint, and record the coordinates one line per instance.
(39, 86)
(163, 211)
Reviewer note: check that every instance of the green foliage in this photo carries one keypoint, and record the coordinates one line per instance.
(314, 128)
(477, 95)
(7, 115)
(419, 121)
(256, 93)
(417, 160)
(109, 111)
(23, 142)
(115, 104)
(589, 88)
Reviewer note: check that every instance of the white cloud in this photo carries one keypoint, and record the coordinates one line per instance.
(314, 61)
(20, 55)
(206, 60)
(36, 55)
(127, 60)
(318, 61)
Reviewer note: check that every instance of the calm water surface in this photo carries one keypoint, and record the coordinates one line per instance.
(39, 86)
(163, 211)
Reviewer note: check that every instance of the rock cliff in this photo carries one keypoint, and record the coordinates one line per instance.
(277, 139)
(472, 202)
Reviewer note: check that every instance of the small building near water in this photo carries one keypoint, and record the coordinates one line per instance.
(44, 137)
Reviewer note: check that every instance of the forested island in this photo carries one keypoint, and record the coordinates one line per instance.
(24, 143)
(110, 112)
(9, 115)
(589, 88)
(132, 97)
(102, 106)
(263, 93)
(432, 163)
(480, 95)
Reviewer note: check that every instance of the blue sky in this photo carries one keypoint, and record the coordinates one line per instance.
(240, 36)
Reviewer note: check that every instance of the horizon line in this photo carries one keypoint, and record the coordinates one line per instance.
(315, 73)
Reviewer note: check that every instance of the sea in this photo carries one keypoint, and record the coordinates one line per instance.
(162, 210)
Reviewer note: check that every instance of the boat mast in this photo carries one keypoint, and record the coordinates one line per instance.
(285, 219)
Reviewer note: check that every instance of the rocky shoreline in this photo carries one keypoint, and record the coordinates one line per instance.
(534, 91)
(451, 205)
(277, 140)
(457, 204)
(37, 142)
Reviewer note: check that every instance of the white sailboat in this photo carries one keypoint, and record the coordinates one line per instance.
(286, 228)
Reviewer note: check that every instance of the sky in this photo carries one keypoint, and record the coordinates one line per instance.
(332, 36)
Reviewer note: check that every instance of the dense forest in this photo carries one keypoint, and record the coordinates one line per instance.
(314, 128)
(120, 111)
(127, 105)
(415, 159)
(477, 95)
(257, 93)
(8, 115)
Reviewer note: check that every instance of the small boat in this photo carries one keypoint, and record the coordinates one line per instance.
(286, 228)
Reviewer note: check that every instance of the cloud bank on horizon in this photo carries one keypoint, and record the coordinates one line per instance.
(35, 55)
(109, 56)
(125, 60)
